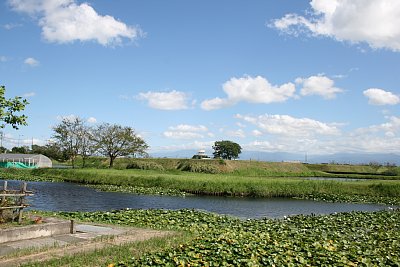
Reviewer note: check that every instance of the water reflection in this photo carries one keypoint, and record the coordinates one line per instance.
(73, 197)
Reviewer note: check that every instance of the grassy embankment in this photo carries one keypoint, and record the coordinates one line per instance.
(233, 178)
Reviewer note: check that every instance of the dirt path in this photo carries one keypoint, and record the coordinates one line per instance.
(132, 235)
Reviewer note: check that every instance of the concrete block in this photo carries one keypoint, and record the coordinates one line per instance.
(49, 228)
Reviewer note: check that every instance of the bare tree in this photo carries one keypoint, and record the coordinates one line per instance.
(114, 141)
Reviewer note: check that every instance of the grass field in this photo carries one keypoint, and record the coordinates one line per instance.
(240, 178)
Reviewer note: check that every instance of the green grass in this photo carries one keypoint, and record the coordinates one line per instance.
(233, 184)
(230, 178)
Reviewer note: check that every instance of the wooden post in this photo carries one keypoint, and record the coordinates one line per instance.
(21, 202)
(3, 198)
(72, 227)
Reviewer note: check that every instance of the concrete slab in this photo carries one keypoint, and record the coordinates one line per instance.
(36, 243)
(86, 228)
(70, 239)
(84, 233)
(4, 250)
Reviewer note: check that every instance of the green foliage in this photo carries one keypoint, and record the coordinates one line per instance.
(228, 184)
(9, 108)
(145, 165)
(114, 141)
(69, 135)
(345, 239)
(226, 150)
(139, 190)
(198, 166)
(20, 150)
(51, 150)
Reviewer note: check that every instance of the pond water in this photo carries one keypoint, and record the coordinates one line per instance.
(59, 196)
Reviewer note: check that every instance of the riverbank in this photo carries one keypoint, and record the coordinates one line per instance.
(348, 239)
(224, 184)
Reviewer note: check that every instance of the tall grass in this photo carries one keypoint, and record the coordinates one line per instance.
(229, 184)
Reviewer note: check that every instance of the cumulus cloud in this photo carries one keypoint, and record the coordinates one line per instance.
(252, 90)
(378, 96)
(318, 85)
(285, 125)
(65, 21)
(173, 100)
(380, 138)
(31, 62)
(185, 131)
(356, 21)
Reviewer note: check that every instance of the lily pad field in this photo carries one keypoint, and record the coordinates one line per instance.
(345, 239)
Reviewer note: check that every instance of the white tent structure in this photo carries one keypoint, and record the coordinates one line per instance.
(24, 161)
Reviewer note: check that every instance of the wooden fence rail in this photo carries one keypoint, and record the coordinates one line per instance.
(14, 200)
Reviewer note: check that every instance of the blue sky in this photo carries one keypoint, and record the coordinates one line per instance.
(278, 76)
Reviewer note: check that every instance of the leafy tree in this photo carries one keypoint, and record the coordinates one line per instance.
(226, 150)
(51, 150)
(20, 150)
(9, 108)
(114, 141)
(68, 137)
(3, 149)
(87, 143)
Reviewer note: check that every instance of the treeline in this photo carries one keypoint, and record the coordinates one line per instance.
(74, 137)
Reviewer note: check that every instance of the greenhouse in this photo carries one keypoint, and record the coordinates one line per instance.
(24, 161)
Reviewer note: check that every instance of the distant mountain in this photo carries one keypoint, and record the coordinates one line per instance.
(345, 158)
(357, 158)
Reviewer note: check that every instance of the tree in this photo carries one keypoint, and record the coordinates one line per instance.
(9, 108)
(114, 141)
(68, 137)
(51, 150)
(226, 150)
(87, 144)
(20, 150)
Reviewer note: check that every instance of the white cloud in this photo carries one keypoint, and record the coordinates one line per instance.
(381, 97)
(256, 133)
(70, 117)
(30, 94)
(184, 146)
(251, 90)
(238, 133)
(92, 120)
(65, 21)
(215, 103)
(285, 125)
(189, 128)
(3, 58)
(371, 21)
(173, 100)
(380, 138)
(318, 85)
(10, 26)
(185, 131)
(31, 62)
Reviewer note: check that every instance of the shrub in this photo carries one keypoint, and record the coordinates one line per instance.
(145, 165)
